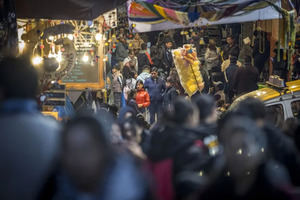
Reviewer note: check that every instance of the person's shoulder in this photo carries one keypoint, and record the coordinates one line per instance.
(147, 80)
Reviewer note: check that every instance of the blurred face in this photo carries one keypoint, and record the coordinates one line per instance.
(242, 154)
(140, 86)
(169, 45)
(131, 56)
(114, 71)
(168, 84)
(154, 75)
(229, 41)
(137, 36)
(82, 158)
(122, 40)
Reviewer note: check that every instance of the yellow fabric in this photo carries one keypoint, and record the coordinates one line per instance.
(161, 11)
(188, 70)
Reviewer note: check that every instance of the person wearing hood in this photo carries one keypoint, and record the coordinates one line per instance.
(145, 74)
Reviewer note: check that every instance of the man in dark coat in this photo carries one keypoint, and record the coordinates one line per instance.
(229, 77)
(170, 94)
(230, 48)
(176, 154)
(155, 87)
(144, 58)
(121, 50)
(246, 78)
(168, 62)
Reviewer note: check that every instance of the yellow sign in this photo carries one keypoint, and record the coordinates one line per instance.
(51, 114)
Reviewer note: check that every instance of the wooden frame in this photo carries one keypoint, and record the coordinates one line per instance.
(93, 85)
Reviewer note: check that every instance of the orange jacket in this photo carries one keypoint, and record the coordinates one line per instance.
(142, 97)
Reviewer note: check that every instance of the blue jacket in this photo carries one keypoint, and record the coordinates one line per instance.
(155, 89)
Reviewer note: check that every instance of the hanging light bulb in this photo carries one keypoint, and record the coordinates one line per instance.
(59, 56)
(70, 36)
(37, 60)
(85, 58)
(98, 36)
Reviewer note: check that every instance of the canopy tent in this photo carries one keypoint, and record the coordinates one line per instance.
(149, 16)
(64, 9)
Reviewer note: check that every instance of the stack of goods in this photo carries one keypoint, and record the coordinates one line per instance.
(187, 65)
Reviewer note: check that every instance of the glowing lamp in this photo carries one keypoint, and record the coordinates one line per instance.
(37, 60)
(85, 58)
(98, 36)
(51, 37)
(70, 36)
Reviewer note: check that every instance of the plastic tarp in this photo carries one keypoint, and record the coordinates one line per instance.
(64, 9)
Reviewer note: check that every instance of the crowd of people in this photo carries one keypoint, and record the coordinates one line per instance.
(191, 152)
(227, 72)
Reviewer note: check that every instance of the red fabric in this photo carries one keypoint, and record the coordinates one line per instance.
(142, 97)
(199, 143)
(162, 174)
(149, 58)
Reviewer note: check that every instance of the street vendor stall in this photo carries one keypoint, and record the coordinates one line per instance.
(66, 41)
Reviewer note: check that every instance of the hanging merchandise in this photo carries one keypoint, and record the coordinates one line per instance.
(289, 18)
(187, 65)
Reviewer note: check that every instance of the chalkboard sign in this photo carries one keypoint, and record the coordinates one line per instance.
(87, 71)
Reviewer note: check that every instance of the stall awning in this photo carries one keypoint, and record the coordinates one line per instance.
(150, 15)
(64, 9)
